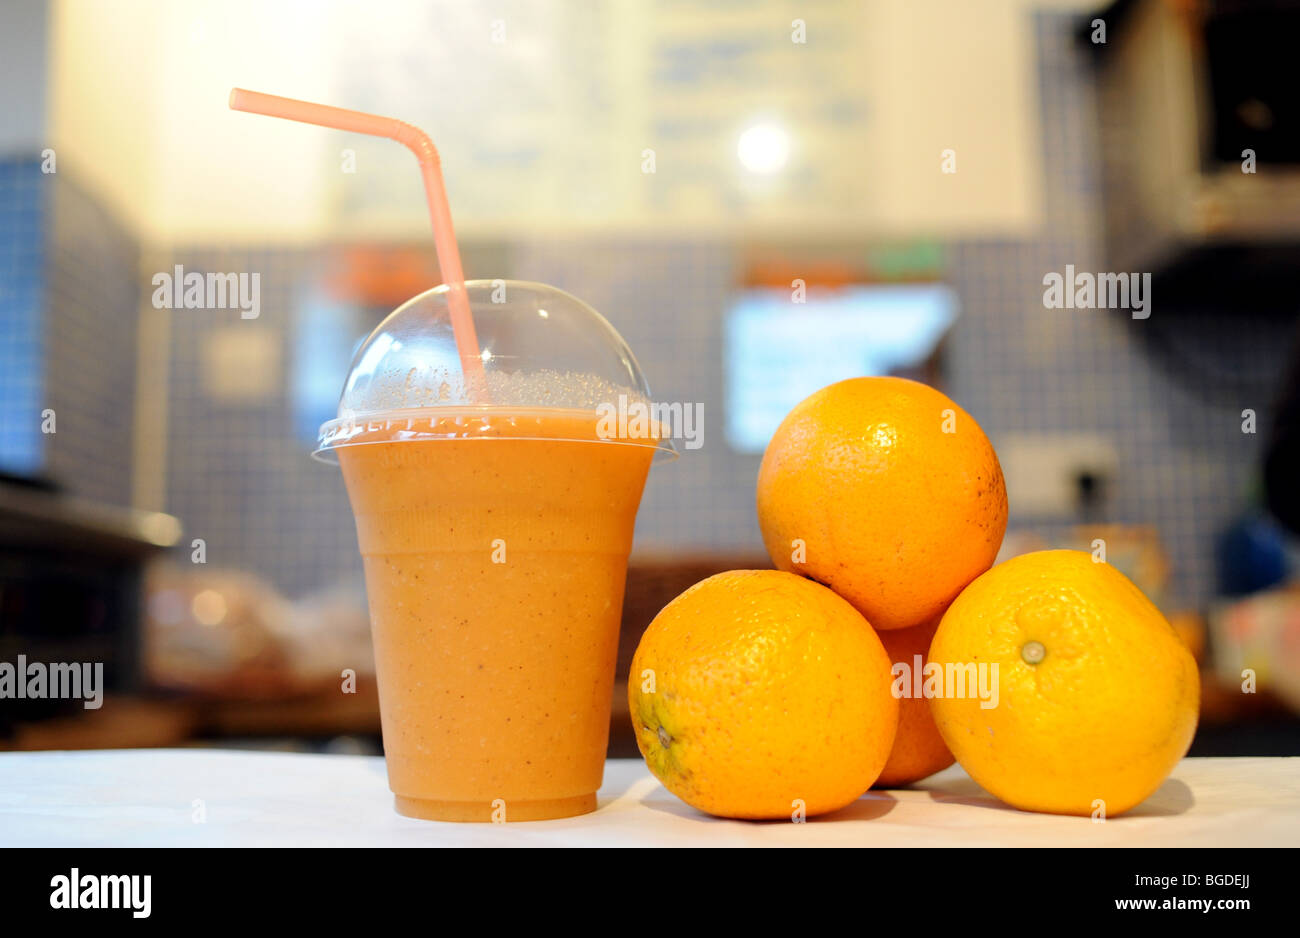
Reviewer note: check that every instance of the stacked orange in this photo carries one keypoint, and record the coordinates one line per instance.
(761, 694)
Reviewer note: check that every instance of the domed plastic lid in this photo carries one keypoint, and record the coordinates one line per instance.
(544, 352)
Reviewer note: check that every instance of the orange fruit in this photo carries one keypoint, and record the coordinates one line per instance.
(1096, 695)
(886, 491)
(757, 694)
(919, 751)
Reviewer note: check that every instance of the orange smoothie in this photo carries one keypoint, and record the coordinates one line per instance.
(495, 565)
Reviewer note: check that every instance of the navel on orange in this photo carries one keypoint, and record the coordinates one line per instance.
(1097, 697)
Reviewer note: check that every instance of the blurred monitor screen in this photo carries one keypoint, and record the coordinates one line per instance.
(778, 351)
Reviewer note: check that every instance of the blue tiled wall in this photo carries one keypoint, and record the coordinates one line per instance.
(68, 311)
(240, 478)
(92, 311)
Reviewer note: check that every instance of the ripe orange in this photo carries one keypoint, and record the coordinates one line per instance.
(886, 491)
(919, 751)
(757, 693)
(1097, 696)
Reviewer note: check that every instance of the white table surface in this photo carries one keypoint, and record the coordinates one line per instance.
(148, 798)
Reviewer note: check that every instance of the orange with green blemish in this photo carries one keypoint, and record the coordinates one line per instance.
(759, 694)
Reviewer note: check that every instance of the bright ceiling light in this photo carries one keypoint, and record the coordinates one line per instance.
(764, 148)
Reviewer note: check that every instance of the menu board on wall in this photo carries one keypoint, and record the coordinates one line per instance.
(560, 116)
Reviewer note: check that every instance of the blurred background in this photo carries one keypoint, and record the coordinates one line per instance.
(917, 167)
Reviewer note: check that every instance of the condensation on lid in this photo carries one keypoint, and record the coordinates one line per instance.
(543, 350)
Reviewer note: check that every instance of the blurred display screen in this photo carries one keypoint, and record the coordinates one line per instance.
(779, 351)
(327, 334)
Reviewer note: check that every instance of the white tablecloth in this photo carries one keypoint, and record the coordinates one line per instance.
(204, 797)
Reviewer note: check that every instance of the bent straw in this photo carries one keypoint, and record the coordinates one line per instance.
(418, 142)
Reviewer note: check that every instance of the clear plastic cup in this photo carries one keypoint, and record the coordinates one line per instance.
(495, 519)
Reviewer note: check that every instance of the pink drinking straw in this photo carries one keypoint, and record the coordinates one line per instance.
(444, 237)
